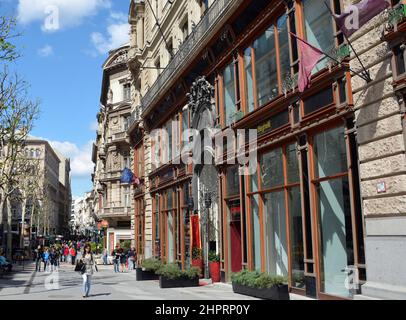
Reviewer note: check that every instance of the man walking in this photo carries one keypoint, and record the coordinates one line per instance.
(38, 258)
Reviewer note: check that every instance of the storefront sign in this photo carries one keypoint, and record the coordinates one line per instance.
(264, 127)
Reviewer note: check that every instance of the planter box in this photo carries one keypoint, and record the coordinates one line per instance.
(178, 283)
(277, 292)
(145, 275)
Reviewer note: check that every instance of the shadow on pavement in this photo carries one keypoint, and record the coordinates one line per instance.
(99, 294)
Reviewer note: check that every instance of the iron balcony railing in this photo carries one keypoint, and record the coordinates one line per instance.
(202, 30)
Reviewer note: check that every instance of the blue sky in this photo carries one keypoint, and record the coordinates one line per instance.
(63, 45)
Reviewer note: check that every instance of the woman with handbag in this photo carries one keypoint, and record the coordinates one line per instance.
(87, 269)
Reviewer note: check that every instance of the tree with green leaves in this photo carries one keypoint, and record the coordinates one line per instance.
(17, 116)
(8, 50)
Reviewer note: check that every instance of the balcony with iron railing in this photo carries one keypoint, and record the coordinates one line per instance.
(114, 212)
(195, 42)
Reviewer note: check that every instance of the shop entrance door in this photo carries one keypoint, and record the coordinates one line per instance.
(235, 235)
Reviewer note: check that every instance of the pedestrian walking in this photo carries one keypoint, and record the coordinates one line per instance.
(45, 258)
(116, 259)
(89, 264)
(72, 253)
(131, 259)
(53, 259)
(38, 258)
(105, 256)
(123, 259)
(66, 253)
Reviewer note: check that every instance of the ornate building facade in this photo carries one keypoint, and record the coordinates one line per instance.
(111, 151)
(327, 199)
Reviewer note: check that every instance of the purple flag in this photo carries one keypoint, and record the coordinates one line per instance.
(356, 15)
(309, 57)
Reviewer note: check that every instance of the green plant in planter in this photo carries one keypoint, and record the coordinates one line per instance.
(214, 257)
(196, 253)
(192, 273)
(151, 264)
(256, 279)
(172, 271)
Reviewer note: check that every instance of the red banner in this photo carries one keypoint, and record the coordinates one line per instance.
(195, 231)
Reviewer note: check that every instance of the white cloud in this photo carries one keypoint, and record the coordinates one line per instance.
(80, 157)
(58, 14)
(46, 51)
(117, 34)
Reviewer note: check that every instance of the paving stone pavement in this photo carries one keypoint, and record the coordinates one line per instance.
(106, 285)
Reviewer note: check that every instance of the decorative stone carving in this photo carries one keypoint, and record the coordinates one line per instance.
(110, 96)
(201, 93)
(115, 161)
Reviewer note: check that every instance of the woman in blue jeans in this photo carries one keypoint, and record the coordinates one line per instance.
(89, 263)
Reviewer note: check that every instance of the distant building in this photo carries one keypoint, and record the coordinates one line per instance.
(47, 211)
(83, 220)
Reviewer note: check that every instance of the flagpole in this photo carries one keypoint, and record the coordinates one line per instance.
(366, 74)
(327, 55)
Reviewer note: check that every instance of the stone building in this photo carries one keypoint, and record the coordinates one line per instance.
(111, 151)
(83, 222)
(326, 203)
(47, 207)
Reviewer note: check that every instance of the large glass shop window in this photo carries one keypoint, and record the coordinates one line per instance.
(261, 58)
(171, 222)
(229, 93)
(248, 79)
(274, 213)
(156, 231)
(278, 191)
(319, 28)
(295, 217)
(265, 67)
(282, 25)
(334, 211)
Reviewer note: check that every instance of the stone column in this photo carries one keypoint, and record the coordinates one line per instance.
(382, 162)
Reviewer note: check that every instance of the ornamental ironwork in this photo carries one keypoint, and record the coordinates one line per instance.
(201, 93)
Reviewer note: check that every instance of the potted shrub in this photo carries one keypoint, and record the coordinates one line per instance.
(260, 285)
(171, 276)
(197, 260)
(214, 265)
(148, 270)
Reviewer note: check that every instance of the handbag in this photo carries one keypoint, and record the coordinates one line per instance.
(80, 267)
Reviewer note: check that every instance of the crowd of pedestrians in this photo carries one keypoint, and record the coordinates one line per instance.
(80, 255)
(51, 257)
(122, 260)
